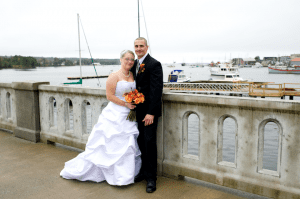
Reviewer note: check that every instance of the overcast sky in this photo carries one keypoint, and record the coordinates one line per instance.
(180, 31)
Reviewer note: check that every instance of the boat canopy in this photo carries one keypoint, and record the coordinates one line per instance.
(174, 71)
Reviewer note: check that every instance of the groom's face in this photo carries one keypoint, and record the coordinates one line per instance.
(140, 48)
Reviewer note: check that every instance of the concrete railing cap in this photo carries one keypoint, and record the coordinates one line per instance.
(5, 85)
(27, 85)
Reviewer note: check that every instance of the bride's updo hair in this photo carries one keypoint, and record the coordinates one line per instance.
(126, 51)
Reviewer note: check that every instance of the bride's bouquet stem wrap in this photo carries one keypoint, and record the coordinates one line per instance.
(131, 116)
(136, 98)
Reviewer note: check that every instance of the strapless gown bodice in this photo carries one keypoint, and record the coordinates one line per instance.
(124, 87)
(111, 152)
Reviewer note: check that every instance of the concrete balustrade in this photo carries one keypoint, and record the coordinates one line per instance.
(8, 120)
(66, 98)
(27, 110)
(250, 116)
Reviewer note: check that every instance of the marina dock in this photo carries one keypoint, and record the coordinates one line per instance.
(274, 90)
(88, 77)
(252, 89)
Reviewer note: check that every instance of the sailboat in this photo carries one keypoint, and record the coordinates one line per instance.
(104, 76)
(80, 80)
(88, 77)
(138, 2)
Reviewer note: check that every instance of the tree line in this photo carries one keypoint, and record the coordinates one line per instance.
(18, 61)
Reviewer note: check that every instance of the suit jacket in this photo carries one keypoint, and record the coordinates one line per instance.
(149, 82)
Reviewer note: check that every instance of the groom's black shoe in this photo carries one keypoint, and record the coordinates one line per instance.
(139, 177)
(151, 186)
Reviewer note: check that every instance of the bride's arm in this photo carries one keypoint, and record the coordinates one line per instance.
(111, 84)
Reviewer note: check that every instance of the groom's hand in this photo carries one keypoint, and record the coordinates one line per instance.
(148, 119)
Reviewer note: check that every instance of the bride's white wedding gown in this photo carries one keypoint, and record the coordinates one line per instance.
(111, 152)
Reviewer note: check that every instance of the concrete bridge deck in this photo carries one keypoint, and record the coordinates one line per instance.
(31, 170)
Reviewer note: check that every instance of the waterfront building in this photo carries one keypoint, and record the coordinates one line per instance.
(296, 62)
(272, 60)
(249, 61)
(237, 61)
(293, 56)
(285, 59)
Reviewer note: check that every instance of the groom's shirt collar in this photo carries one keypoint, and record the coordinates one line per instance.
(142, 59)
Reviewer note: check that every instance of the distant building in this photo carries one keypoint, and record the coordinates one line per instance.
(237, 61)
(249, 61)
(285, 59)
(293, 56)
(295, 61)
(272, 60)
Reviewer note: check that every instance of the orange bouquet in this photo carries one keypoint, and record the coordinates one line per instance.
(136, 98)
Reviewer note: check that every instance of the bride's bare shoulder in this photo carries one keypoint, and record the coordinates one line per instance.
(113, 77)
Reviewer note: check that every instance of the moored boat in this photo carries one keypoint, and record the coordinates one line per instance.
(257, 65)
(223, 69)
(229, 77)
(178, 76)
(284, 70)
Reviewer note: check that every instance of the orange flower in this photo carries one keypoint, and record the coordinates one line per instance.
(134, 96)
(137, 101)
(128, 98)
(137, 98)
(142, 68)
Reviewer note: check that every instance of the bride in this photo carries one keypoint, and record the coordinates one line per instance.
(111, 152)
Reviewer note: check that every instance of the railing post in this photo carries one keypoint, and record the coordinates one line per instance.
(27, 110)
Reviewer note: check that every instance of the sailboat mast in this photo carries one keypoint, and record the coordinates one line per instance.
(79, 47)
(139, 17)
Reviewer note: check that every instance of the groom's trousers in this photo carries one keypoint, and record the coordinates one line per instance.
(147, 144)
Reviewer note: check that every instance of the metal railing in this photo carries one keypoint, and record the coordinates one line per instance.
(208, 87)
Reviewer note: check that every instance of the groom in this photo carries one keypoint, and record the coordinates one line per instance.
(148, 74)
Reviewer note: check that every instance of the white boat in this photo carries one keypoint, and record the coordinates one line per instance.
(257, 65)
(230, 77)
(223, 69)
(178, 76)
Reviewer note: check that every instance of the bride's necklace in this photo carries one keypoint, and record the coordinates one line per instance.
(126, 75)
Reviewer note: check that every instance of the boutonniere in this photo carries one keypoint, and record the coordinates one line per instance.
(142, 68)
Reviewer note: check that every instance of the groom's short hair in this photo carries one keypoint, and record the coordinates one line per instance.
(142, 38)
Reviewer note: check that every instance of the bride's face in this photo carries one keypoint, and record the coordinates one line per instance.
(127, 61)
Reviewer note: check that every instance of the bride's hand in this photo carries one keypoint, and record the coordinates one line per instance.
(129, 105)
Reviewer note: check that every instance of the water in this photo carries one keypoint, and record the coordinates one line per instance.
(58, 76)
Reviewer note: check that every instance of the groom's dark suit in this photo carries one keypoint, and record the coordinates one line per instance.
(149, 81)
